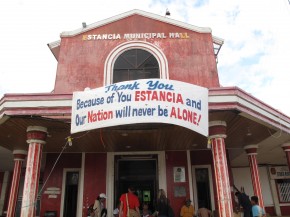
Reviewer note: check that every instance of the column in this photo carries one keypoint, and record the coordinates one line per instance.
(286, 148)
(217, 134)
(36, 137)
(251, 151)
(19, 157)
(4, 191)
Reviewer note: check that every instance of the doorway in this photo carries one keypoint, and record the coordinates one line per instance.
(203, 187)
(71, 190)
(139, 172)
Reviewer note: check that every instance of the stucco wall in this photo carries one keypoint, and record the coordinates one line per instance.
(56, 178)
(242, 177)
(176, 159)
(81, 62)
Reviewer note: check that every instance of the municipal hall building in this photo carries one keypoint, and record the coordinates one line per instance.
(137, 101)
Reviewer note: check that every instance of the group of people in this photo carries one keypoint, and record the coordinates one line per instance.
(129, 207)
(251, 207)
(187, 210)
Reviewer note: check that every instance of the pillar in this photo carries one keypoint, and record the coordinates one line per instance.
(217, 134)
(251, 151)
(19, 157)
(286, 148)
(4, 191)
(36, 137)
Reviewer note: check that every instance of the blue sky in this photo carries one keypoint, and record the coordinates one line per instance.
(254, 57)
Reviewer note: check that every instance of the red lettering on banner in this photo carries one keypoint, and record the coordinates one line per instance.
(161, 96)
(186, 115)
(99, 116)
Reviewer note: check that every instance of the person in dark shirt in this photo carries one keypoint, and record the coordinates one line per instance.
(162, 204)
(244, 201)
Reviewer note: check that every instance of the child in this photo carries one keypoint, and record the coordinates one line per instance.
(257, 211)
(146, 212)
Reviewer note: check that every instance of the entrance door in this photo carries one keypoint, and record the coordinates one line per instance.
(139, 172)
(203, 187)
(71, 194)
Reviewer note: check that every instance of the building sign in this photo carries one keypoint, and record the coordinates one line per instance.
(132, 36)
(141, 101)
(279, 172)
(179, 174)
(179, 191)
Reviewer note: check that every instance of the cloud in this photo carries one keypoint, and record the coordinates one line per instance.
(256, 52)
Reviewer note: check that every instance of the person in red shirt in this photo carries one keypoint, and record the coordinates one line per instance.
(133, 202)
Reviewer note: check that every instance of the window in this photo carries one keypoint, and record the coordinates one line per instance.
(283, 186)
(135, 64)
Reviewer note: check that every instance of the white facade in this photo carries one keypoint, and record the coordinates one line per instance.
(242, 179)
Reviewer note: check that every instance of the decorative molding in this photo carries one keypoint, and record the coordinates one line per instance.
(37, 129)
(217, 123)
(18, 151)
(251, 149)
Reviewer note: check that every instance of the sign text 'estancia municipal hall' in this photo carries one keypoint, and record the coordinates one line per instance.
(130, 36)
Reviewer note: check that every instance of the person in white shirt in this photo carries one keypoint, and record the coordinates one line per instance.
(99, 208)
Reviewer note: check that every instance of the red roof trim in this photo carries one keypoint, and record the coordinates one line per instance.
(235, 91)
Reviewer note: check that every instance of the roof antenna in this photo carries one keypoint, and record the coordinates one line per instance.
(167, 13)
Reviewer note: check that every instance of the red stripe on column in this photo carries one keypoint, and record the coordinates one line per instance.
(31, 180)
(227, 194)
(14, 188)
(216, 171)
(222, 177)
(256, 179)
(227, 190)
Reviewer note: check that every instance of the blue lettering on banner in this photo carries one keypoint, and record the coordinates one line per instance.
(89, 103)
(80, 120)
(116, 87)
(124, 98)
(194, 103)
(153, 85)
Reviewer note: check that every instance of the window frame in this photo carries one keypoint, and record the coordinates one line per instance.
(132, 68)
(151, 48)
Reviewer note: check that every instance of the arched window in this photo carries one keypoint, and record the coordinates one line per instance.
(135, 64)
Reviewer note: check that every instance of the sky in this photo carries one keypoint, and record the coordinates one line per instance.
(255, 55)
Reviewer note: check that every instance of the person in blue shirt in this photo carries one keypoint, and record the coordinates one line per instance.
(257, 211)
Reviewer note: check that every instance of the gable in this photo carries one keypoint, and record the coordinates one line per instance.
(184, 53)
(141, 13)
(217, 42)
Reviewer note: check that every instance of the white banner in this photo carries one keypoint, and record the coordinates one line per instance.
(141, 101)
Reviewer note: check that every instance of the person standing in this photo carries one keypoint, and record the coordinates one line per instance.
(257, 211)
(129, 201)
(244, 202)
(163, 208)
(99, 208)
(187, 210)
